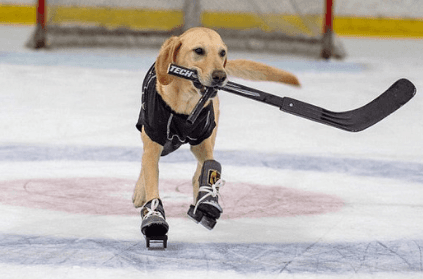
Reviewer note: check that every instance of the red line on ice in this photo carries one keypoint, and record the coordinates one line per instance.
(112, 196)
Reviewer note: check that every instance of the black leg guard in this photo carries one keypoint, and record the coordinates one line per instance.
(207, 209)
(154, 226)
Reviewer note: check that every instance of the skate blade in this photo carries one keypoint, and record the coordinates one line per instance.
(158, 239)
(195, 217)
(208, 222)
(199, 217)
(155, 228)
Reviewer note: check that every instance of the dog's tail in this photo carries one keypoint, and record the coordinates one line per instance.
(251, 70)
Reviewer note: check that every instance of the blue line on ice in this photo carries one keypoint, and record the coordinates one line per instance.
(406, 171)
(244, 258)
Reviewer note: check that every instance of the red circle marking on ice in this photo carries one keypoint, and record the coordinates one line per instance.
(112, 196)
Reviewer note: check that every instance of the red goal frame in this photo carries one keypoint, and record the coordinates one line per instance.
(39, 40)
(328, 31)
(327, 50)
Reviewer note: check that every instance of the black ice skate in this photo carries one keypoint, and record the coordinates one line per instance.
(207, 209)
(154, 226)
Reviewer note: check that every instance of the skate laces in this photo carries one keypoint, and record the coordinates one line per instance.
(211, 191)
(152, 211)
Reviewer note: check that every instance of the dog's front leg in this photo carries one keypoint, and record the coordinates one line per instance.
(206, 183)
(202, 152)
(147, 187)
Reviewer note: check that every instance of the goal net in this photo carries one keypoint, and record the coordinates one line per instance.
(291, 26)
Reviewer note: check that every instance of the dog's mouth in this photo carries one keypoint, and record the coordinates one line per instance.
(215, 83)
(199, 85)
(217, 80)
(202, 88)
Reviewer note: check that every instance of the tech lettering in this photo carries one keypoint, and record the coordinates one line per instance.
(180, 71)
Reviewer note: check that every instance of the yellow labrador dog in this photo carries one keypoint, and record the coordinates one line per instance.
(166, 103)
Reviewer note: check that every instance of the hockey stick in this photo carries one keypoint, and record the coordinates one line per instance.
(353, 121)
(192, 75)
(210, 91)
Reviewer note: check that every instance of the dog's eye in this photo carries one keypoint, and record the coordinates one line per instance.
(199, 51)
(222, 53)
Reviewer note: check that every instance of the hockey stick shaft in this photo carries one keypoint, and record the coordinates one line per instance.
(199, 106)
(353, 121)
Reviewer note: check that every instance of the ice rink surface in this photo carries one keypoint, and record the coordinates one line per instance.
(301, 200)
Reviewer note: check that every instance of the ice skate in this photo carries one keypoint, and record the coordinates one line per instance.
(207, 209)
(154, 226)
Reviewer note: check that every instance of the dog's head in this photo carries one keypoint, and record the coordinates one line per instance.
(199, 49)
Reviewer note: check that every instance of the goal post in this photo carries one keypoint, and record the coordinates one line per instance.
(38, 39)
(285, 26)
(327, 37)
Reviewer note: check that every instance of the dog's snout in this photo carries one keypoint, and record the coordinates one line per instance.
(218, 77)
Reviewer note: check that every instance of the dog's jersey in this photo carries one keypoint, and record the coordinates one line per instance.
(166, 127)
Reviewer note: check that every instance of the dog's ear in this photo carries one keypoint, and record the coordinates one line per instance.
(167, 55)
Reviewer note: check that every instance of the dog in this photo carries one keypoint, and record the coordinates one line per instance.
(203, 50)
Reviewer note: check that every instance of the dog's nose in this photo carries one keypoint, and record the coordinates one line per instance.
(218, 77)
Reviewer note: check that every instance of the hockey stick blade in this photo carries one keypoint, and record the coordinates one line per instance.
(353, 121)
(358, 119)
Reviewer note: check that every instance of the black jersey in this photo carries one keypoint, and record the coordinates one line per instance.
(166, 127)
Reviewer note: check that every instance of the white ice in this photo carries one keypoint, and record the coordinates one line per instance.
(59, 107)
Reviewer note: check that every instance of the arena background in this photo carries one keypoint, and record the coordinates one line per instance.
(352, 17)
(301, 199)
